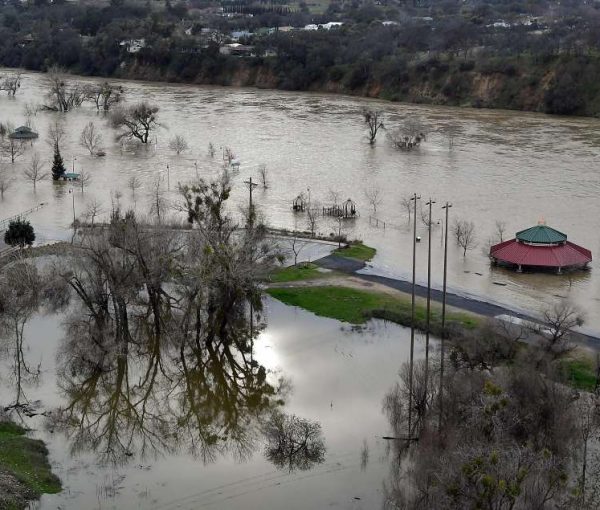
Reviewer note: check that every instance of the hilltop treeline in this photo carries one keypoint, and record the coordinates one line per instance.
(538, 55)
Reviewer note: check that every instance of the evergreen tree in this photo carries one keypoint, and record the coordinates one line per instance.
(19, 233)
(58, 167)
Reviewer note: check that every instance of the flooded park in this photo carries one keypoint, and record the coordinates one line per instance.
(168, 429)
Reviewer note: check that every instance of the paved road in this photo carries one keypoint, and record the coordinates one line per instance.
(344, 265)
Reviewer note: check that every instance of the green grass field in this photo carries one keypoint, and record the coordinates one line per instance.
(580, 372)
(357, 306)
(303, 271)
(26, 459)
(357, 251)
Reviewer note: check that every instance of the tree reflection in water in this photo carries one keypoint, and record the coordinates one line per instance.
(293, 443)
(23, 290)
(158, 352)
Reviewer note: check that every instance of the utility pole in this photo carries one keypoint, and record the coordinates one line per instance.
(251, 185)
(428, 320)
(412, 319)
(442, 353)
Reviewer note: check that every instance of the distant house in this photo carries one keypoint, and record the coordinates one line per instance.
(133, 45)
(324, 26)
(240, 34)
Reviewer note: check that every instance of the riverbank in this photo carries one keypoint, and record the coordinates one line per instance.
(25, 473)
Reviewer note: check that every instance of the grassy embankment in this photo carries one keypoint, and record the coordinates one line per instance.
(356, 306)
(25, 461)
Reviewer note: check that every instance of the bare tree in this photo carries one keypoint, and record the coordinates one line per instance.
(262, 172)
(12, 148)
(137, 121)
(228, 155)
(464, 233)
(312, 219)
(296, 245)
(425, 219)
(11, 84)
(334, 196)
(56, 133)
(409, 135)
(500, 227)
(84, 179)
(90, 138)
(134, 183)
(157, 201)
(62, 96)
(373, 196)
(374, 121)
(178, 144)
(407, 205)
(451, 131)
(93, 210)
(556, 330)
(35, 171)
(5, 182)
(104, 95)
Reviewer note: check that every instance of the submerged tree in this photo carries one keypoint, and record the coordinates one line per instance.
(178, 144)
(62, 95)
(374, 121)
(90, 138)
(104, 95)
(137, 121)
(58, 166)
(408, 135)
(35, 171)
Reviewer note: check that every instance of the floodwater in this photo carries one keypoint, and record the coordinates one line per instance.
(337, 376)
(509, 166)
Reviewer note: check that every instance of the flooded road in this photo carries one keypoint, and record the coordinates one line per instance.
(337, 377)
(508, 166)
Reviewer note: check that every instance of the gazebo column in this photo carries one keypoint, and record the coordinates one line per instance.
(519, 269)
(559, 270)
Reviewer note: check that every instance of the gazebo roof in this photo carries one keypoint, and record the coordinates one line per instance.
(565, 254)
(23, 133)
(541, 234)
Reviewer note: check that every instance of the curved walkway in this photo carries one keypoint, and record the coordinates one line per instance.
(350, 266)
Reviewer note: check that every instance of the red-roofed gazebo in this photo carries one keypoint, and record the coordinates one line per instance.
(540, 248)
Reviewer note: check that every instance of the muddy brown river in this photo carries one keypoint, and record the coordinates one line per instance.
(508, 166)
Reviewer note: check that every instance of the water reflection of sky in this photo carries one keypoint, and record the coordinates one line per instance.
(338, 377)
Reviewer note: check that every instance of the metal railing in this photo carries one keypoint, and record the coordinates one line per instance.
(4, 223)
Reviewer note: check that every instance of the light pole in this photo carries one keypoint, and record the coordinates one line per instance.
(414, 198)
(447, 208)
(196, 166)
(251, 185)
(73, 167)
(428, 320)
(168, 177)
(72, 192)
